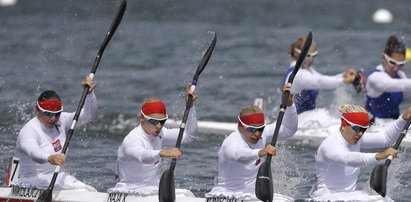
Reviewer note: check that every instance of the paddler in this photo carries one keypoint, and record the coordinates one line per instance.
(309, 81)
(387, 85)
(141, 151)
(244, 150)
(339, 157)
(41, 140)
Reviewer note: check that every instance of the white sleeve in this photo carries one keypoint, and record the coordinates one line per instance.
(335, 154)
(304, 81)
(385, 137)
(190, 132)
(235, 152)
(288, 126)
(29, 142)
(87, 114)
(135, 150)
(380, 82)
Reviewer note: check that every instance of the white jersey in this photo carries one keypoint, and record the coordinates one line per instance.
(309, 79)
(380, 82)
(238, 161)
(139, 156)
(35, 143)
(338, 162)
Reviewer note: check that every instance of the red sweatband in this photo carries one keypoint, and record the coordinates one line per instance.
(359, 118)
(50, 105)
(154, 107)
(252, 119)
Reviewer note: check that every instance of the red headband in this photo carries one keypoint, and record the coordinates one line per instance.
(50, 105)
(154, 107)
(252, 119)
(359, 118)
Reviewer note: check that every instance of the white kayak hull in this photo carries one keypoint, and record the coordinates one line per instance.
(84, 196)
(6, 195)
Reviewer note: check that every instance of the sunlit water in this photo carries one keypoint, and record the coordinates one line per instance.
(52, 44)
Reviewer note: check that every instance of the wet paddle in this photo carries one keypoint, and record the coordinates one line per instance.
(378, 180)
(166, 192)
(46, 195)
(264, 184)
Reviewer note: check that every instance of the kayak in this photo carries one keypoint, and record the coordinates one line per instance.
(30, 195)
(367, 194)
(19, 194)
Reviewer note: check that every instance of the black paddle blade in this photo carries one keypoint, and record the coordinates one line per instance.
(206, 57)
(378, 180)
(301, 58)
(46, 196)
(166, 190)
(264, 184)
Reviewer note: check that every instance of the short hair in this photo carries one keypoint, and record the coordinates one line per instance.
(151, 99)
(351, 108)
(48, 95)
(394, 46)
(250, 109)
(299, 44)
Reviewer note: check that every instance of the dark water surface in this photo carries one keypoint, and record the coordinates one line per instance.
(52, 44)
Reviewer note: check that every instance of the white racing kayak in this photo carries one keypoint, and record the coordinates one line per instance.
(30, 195)
(365, 195)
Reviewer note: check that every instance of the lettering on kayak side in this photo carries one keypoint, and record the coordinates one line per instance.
(223, 199)
(25, 192)
(117, 197)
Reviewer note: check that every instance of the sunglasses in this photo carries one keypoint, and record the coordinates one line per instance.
(309, 55)
(49, 113)
(393, 62)
(155, 121)
(252, 129)
(355, 127)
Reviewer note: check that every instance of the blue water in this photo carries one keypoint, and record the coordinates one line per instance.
(52, 45)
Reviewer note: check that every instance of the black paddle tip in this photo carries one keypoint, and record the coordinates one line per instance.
(166, 189)
(45, 196)
(378, 180)
(263, 184)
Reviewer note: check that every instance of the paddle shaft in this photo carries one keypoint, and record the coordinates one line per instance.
(378, 179)
(286, 95)
(264, 184)
(397, 144)
(166, 192)
(182, 127)
(109, 35)
(103, 46)
(189, 103)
